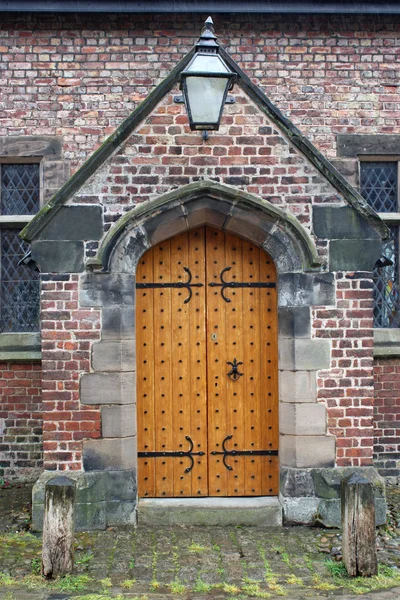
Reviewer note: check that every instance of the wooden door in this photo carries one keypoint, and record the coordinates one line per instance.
(207, 397)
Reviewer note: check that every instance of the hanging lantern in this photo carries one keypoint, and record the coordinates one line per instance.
(205, 82)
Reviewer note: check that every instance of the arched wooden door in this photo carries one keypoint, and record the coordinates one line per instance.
(207, 398)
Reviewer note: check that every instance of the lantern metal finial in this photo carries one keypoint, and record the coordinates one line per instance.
(207, 36)
(207, 41)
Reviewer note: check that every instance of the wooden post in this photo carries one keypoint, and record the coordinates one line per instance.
(58, 527)
(358, 526)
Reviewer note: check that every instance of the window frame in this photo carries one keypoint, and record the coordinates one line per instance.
(387, 339)
(45, 150)
(353, 148)
(18, 222)
(390, 218)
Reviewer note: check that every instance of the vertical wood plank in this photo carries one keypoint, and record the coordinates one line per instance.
(269, 376)
(252, 422)
(196, 350)
(234, 350)
(162, 379)
(180, 366)
(145, 376)
(216, 358)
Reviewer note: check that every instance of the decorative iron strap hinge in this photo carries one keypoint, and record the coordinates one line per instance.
(178, 284)
(238, 284)
(180, 454)
(225, 452)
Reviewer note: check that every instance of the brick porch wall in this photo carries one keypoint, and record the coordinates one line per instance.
(347, 388)
(387, 416)
(67, 335)
(20, 421)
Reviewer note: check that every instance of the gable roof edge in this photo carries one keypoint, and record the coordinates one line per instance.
(99, 156)
(307, 149)
(294, 135)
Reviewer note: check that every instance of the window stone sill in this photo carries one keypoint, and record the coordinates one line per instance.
(387, 343)
(20, 346)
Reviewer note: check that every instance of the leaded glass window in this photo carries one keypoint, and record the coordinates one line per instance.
(386, 280)
(379, 183)
(19, 284)
(379, 186)
(19, 189)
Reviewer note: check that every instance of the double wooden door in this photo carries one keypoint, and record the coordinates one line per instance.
(207, 400)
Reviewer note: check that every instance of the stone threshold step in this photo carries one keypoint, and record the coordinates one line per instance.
(260, 511)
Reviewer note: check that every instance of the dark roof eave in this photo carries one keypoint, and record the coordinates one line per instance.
(203, 6)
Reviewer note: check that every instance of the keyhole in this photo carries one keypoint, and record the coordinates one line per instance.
(214, 337)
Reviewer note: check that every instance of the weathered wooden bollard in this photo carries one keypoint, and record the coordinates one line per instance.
(358, 526)
(58, 527)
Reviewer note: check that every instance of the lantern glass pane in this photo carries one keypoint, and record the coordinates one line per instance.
(208, 63)
(205, 98)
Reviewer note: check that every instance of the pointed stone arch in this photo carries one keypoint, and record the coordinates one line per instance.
(217, 205)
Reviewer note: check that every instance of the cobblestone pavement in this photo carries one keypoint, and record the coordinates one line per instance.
(194, 562)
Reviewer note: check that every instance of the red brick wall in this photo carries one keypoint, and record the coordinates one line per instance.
(387, 416)
(347, 387)
(79, 75)
(20, 421)
(67, 335)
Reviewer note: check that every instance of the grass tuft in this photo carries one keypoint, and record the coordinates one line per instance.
(128, 583)
(106, 583)
(252, 588)
(194, 547)
(202, 587)
(177, 587)
(294, 580)
(72, 583)
(6, 579)
(230, 588)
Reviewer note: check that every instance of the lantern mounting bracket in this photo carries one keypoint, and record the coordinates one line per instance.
(179, 99)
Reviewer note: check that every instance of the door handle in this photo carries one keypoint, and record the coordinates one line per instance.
(234, 373)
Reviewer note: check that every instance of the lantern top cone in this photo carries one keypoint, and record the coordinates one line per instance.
(207, 38)
(205, 82)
